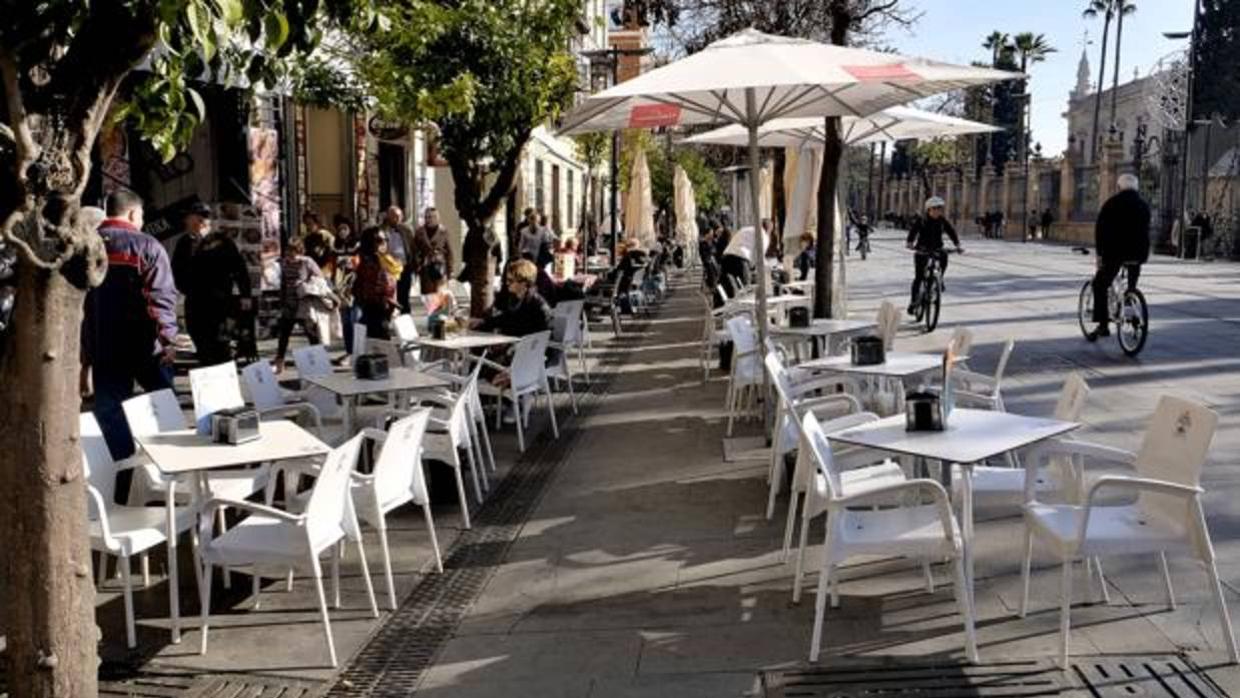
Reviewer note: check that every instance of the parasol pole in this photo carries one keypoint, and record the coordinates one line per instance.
(758, 252)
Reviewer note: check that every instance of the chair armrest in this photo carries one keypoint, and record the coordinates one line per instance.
(135, 461)
(1133, 484)
(941, 501)
(98, 506)
(850, 402)
(304, 408)
(971, 397)
(216, 503)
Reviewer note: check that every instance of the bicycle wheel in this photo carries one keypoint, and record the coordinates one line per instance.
(1133, 326)
(932, 303)
(1085, 308)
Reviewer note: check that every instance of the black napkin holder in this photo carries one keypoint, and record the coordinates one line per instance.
(798, 317)
(868, 350)
(923, 411)
(371, 367)
(234, 426)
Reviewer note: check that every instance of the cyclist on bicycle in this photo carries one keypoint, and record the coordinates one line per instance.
(926, 238)
(863, 232)
(1121, 238)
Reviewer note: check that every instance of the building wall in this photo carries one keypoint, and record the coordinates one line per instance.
(1134, 105)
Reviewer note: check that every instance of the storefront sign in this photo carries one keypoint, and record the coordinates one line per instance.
(654, 115)
(386, 130)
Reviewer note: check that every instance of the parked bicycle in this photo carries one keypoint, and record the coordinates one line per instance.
(1128, 312)
(930, 296)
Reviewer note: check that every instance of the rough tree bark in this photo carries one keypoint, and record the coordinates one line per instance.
(825, 251)
(477, 210)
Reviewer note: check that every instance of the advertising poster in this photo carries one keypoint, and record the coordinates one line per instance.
(260, 241)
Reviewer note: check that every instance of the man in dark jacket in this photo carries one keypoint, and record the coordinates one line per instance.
(130, 326)
(431, 247)
(208, 266)
(1121, 239)
(925, 237)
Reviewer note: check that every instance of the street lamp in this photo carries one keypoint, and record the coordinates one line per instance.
(1188, 105)
(611, 57)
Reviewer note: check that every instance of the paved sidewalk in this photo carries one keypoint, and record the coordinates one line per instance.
(648, 569)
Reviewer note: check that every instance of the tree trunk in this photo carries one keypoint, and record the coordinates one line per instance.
(479, 265)
(1119, 42)
(48, 593)
(1102, 73)
(824, 270)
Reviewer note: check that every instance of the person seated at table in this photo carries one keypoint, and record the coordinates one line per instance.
(436, 297)
(374, 286)
(519, 310)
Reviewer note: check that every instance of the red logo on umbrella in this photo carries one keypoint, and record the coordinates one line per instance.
(880, 73)
(654, 115)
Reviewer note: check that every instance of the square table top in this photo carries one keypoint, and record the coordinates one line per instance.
(185, 450)
(971, 435)
(825, 326)
(399, 379)
(898, 364)
(787, 299)
(466, 341)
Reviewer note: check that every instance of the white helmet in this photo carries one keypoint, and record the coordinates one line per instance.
(935, 202)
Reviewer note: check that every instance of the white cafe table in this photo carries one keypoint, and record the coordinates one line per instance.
(186, 452)
(349, 387)
(461, 342)
(806, 286)
(821, 331)
(971, 437)
(898, 367)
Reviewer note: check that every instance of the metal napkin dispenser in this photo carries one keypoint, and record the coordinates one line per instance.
(371, 367)
(868, 351)
(923, 411)
(234, 426)
(798, 317)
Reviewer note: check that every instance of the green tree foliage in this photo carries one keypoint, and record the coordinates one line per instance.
(1218, 54)
(64, 66)
(486, 72)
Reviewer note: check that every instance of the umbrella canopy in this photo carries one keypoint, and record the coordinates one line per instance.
(751, 78)
(686, 210)
(639, 204)
(803, 174)
(893, 124)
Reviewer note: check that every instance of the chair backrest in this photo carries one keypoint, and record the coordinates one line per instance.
(406, 329)
(819, 449)
(529, 360)
(399, 465)
(779, 376)
(888, 324)
(1072, 398)
(387, 348)
(97, 461)
(260, 382)
(153, 413)
(329, 512)
(214, 388)
(741, 332)
(574, 313)
(961, 342)
(1177, 441)
(1001, 367)
(314, 361)
(359, 339)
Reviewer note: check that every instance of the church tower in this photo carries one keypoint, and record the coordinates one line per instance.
(1082, 78)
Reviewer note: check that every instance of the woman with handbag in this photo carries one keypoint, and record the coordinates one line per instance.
(374, 285)
(305, 299)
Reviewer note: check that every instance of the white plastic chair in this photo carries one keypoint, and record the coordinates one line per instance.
(576, 331)
(125, 531)
(1166, 516)
(559, 368)
(216, 388)
(979, 390)
(406, 331)
(276, 540)
(271, 400)
(396, 480)
(925, 532)
(314, 361)
(447, 434)
(713, 334)
(961, 343)
(528, 374)
(745, 380)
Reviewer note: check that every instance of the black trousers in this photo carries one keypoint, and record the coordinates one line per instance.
(375, 317)
(285, 331)
(919, 271)
(212, 345)
(1103, 278)
(735, 269)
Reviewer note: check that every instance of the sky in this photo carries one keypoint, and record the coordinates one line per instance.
(953, 31)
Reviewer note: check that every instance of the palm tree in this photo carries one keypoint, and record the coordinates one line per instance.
(1106, 8)
(1032, 48)
(995, 43)
(1122, 8)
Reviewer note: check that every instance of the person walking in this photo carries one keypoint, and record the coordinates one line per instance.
(374, 289)
(318, 240)
(1121, 239)
(305, 299)
(129, 330)
(1048, 219)
(209, 270)
(432, 248)
(925, 238)
(400, 247)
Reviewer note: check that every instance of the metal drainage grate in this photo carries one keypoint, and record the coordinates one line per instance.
(1166, 676)
(249, 687)
(993, 680)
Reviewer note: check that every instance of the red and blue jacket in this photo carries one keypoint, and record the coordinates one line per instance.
(132, 314)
